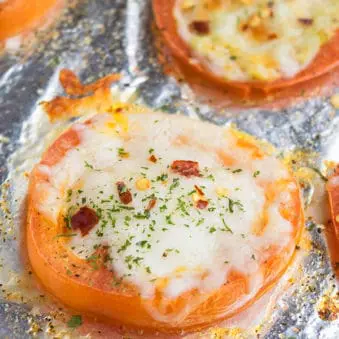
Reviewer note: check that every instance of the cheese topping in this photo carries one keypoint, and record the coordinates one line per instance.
(256, 39)
(177, 202)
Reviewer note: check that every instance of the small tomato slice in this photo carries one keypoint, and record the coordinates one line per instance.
(17, 16)
(326, 60)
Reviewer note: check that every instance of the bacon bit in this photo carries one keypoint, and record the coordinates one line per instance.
(151, 204)
(244, 27)
(306, 21)
(200, 27)
(272, 36)
(153, 158)
(199, 190)
(201, 204)
(84, 220)
(186, 168)
(124, 194)
(199, 199)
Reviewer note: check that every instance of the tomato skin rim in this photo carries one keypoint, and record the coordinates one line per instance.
(325, 61)
(49, 259)
(53, 282)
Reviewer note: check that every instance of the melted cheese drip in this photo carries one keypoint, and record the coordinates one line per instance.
(249, 40)
(178, 247)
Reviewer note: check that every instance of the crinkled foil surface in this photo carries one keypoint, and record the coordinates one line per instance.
(98, 37)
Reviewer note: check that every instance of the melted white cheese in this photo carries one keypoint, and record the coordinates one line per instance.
(190, 247)
(250, 40)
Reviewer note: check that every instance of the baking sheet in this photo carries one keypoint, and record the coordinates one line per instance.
(98, 37)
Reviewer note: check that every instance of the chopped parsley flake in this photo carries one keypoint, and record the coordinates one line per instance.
(211, 177)
(234, 203)
(162, 177)
(66, 235)
(122, 153)
(92, 260)
(170, 250)
(212, 229)
(124, 246)
(169, 220)
(174, 184)
(144, 215)
(130, 261)
(88, 165)
(75, 321)
(69, 195)
(226, 227)
(311, 226)
(256, 173)
(144, 244)
(182, 206)
(200, 221)
(129, 208)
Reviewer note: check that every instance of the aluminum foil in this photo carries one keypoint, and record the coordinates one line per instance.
(98, 37)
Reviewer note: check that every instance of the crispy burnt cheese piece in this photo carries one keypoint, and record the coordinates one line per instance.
(160, 221)
(251, 40)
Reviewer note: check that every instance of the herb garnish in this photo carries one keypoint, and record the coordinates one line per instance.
(75, 321)
(256, 173)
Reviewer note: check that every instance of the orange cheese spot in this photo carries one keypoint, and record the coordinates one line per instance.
(256, 152)
(226, 159)
(289, 210)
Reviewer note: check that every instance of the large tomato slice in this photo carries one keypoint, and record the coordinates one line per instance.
(17, 16)
(91, 291)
